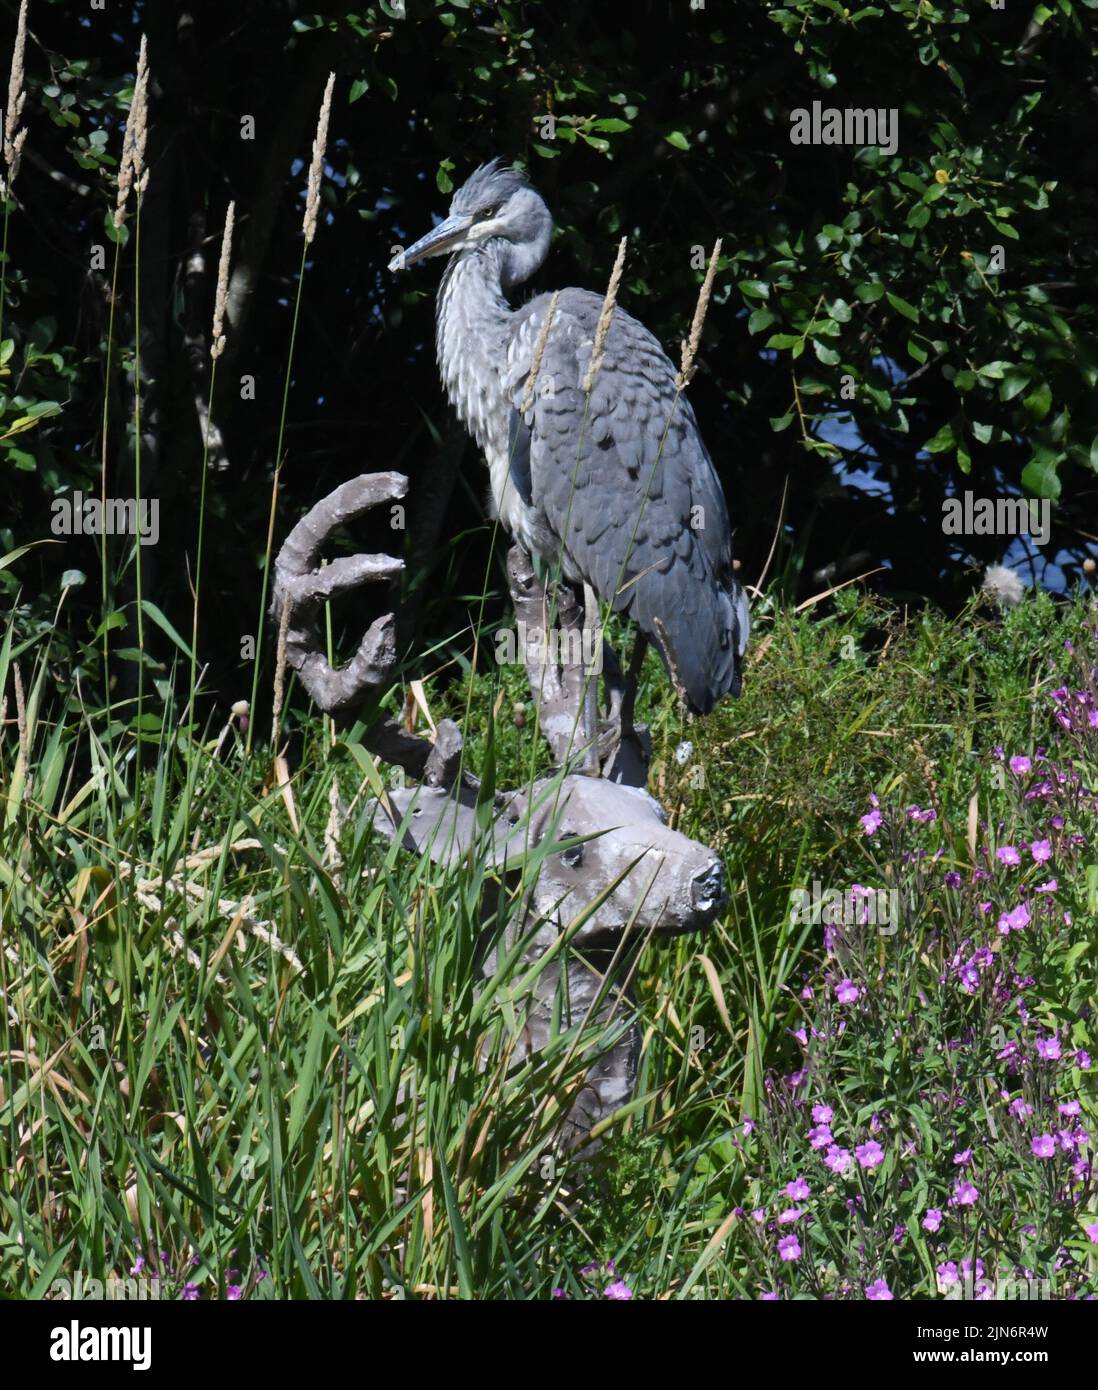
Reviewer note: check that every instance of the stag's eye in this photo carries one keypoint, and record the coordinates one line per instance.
(573, 857)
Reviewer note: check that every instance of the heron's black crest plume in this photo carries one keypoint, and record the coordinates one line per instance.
(493, 182)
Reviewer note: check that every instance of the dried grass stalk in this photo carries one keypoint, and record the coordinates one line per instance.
(217, 340)
(539, 353)
(689, 361)
(316, 168)
(280, 671)
(14, 138)
(603, 327)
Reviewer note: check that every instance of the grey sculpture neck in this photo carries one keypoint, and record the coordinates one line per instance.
(473, 318)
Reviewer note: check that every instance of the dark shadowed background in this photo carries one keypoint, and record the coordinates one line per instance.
(663, 122)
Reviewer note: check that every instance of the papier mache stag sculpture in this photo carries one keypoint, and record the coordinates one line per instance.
(640, 470)
(651, 879)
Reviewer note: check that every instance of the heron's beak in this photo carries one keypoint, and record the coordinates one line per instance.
(447, 236)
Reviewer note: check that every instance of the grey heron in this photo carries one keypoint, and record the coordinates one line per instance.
(617, 490)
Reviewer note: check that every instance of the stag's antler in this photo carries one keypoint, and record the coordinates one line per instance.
(305, 586)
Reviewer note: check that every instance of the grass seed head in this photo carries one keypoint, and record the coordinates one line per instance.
(316, 168)
(14, 137)
(603, 327)
(217, 340)
(688, 365)
(539, 353)
(132, 173)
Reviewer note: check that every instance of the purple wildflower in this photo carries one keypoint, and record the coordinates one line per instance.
(838, 1160)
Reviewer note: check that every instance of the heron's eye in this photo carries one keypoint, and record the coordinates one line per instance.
(486, 214)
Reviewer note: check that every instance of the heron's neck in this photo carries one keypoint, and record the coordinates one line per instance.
(472, 320)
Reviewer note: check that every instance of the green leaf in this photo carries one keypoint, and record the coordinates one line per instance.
(1092, 888)
(1014, 381)
(165, 626)
(1004, 228)
(943, 440)
(901, 306)
(783, 340)
(993, 370)
(36, 412)
(1037, 403)
(13, 555)
(1039, 475)
(110, 623)
(760, 318)
(49, 1270)
(358, 88)
(678, 139)
(782, 422)
(365, 760)
(870, 292)
(827, 355)
(113, 233)
(754, 289)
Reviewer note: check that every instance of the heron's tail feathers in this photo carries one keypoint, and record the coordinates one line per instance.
(703, 644)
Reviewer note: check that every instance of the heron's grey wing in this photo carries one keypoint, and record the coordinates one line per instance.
(626, 487)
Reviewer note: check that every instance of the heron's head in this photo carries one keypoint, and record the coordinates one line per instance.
(494, 204)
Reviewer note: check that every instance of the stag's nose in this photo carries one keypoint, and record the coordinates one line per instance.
(707, 887)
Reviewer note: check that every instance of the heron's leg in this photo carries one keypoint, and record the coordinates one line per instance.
(613, 680)
(554, 660)
(591, 641)
(625, 746)
(632, 680)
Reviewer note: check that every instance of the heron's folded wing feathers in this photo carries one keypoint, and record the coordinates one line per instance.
(625, 485)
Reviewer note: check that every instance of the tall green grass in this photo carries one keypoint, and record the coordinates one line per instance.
(268, 1050)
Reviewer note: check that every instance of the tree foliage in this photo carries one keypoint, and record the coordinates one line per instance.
(862, 357)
